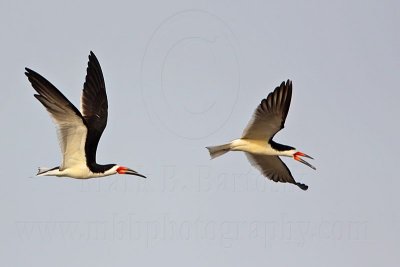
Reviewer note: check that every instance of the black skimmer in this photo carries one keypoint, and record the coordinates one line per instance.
(256, 141)
(78, 132)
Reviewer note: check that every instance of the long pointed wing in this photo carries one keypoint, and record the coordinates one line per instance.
(94, 106)
(273, 168)
(270, 115)
(70, 124)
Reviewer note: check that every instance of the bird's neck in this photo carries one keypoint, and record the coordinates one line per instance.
(282, 150)
(99, 168)
(280, 147)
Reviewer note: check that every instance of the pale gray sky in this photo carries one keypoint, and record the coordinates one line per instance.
(183, 75)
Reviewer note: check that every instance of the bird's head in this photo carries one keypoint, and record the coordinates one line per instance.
(126, 170)
(297, 156)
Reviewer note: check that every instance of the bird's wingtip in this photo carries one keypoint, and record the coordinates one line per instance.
(302, 186)
(27, 71)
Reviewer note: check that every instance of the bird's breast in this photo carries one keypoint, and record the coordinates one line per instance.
(252, 146)
(77, 171)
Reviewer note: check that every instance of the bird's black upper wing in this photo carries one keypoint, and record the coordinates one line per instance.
(94, 106)
(270, 115)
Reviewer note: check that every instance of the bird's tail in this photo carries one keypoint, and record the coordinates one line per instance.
(42, 170)
(216, 151)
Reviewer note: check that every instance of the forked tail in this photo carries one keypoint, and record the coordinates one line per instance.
(216, 151)
(42, 171)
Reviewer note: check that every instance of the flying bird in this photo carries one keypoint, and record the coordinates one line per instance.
(256, 141)
(79, 132)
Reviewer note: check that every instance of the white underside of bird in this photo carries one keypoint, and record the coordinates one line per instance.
(78, 171)
(259, 147)
(256, 147)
